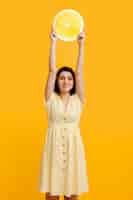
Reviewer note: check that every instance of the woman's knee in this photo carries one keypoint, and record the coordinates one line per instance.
(51, 197)
(72, 197)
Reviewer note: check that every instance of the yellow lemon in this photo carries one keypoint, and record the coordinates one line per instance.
(67, 24)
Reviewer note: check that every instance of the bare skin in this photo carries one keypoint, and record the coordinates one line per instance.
(65, 82)
(56, 197)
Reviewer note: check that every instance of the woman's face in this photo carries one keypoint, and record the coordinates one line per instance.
(65, 81)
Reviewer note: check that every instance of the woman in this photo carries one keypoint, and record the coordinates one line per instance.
(63, 167)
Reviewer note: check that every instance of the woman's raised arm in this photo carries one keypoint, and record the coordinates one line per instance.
(79, 68)
(52, 66)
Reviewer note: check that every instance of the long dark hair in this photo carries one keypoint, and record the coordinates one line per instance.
(68, 69)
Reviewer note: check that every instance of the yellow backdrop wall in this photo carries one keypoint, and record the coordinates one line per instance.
(107, 120)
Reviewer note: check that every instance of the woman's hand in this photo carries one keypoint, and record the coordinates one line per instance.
(53, 35)
(81, 38)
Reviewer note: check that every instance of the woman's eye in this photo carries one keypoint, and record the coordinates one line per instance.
(61, 78)
(69, 78)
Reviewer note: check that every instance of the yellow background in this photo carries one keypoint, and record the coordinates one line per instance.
(107, 120)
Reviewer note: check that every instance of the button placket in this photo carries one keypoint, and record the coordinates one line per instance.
(64, 147)
(62, 150)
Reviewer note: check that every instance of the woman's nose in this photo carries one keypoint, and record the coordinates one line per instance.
(65, 81)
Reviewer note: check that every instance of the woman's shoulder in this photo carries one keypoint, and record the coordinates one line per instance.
(76, 96)
(78, 100)
(50, 98)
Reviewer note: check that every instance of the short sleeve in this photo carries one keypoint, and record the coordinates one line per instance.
(79, 100)
(50, 99)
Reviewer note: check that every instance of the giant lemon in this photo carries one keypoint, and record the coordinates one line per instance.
(67, 24)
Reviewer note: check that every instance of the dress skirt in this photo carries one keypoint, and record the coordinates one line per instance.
(63, 169)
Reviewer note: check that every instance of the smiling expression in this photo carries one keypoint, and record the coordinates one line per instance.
(65, 81)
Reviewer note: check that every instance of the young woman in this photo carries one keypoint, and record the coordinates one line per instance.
(63, 166)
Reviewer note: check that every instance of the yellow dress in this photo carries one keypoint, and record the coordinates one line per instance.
(63, 164)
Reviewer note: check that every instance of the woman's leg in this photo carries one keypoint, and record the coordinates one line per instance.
(51, 197)
(72, 197)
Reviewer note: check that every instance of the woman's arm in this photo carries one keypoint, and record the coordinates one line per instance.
(79, 68)
(52, 66)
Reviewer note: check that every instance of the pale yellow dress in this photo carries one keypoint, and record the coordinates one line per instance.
(63, 163)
